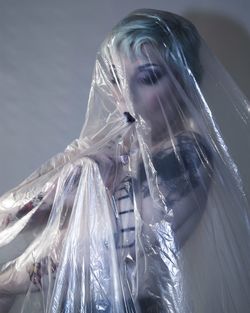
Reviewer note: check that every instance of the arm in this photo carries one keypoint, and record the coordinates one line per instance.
(26, 271)
(42, 200)
(184, 177)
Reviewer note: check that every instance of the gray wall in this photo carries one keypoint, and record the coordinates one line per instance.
(47, 54)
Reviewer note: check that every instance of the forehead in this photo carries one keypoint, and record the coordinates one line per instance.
(127, 64)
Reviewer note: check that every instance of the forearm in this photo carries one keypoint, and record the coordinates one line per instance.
(27, 272)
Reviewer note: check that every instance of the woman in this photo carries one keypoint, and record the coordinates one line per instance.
(141, 208)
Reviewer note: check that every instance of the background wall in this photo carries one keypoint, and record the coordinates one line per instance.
(47, 54)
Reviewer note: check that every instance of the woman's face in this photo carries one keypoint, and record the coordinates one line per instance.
(148, 88)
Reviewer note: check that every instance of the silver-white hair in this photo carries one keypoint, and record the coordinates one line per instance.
(175, 37)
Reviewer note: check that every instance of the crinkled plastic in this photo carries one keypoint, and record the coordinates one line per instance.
(146, 211)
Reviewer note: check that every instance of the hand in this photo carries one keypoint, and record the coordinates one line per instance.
(107, 167)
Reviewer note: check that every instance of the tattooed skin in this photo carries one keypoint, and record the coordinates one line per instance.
(183, 177)
(179, 170)
(125, 222)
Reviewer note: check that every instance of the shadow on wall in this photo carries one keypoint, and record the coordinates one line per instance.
(229, 41)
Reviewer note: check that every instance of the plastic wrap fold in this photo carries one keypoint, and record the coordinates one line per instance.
(146, 211)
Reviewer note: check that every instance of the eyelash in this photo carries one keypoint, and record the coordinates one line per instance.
(151, 77)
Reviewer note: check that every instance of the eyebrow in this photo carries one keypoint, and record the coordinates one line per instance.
(145, 66)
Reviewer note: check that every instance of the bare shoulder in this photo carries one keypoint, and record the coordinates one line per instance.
(187, 152)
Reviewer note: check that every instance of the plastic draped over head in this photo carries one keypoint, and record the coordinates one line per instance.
(146, 211)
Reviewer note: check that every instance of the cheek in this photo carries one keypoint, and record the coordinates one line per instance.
(152, 102)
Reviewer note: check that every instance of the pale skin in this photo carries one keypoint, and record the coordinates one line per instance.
(150, 85)
(153, 92)
(147, 84)
(154, 89)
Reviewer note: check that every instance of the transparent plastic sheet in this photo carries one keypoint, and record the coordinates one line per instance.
(146, 211)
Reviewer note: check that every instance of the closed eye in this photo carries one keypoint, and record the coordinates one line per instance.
(149, 73)
(150, 77)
